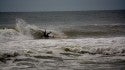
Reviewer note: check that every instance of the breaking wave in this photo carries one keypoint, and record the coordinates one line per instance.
(22, 47)
(24, 31)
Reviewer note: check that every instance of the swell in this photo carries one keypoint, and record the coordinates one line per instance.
(76, 34)
(95, 31)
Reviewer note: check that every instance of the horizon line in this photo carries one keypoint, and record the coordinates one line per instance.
(68, 10)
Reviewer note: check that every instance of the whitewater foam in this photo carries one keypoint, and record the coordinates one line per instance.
(106, 46)
(22, 37)
(20, 49)
(66, 51)
(24, 31)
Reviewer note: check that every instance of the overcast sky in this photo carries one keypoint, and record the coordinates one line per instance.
(60, 5)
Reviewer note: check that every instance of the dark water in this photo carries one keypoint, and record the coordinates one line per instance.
(72, 23)
(71, 17)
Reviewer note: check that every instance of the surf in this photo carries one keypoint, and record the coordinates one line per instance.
(25, 31)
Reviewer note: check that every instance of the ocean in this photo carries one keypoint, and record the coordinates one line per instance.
(78, 40)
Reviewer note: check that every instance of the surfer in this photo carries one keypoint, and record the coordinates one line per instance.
(46, 35)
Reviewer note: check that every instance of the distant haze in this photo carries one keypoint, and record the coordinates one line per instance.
(59, 5)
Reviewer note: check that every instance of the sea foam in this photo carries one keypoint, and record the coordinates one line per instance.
(25, 31)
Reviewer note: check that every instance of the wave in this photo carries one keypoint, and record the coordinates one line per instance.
(76, 47)
(28, 30)
(24, 31)
(85, 51)
(77, 33)
(94, 31)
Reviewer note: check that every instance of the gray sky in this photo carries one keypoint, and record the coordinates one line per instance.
(60, 5)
